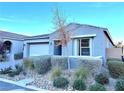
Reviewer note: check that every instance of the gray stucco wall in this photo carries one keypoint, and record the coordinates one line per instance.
(98, 42)
(108, 43)
(16, 47)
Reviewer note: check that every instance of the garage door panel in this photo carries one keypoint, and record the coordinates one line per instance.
(38, 49)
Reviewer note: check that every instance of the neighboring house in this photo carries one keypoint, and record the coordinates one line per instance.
(13, 43)
(86, 40)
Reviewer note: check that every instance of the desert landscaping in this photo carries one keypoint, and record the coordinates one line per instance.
(52, 73)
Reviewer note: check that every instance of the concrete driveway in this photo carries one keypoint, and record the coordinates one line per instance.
(11, 87)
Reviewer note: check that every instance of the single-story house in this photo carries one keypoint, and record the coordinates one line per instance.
(86, 40)
(12, 42)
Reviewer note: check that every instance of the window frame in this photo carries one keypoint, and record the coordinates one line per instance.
(81, 47)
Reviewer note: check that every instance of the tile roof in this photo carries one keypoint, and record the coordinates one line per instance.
(71, 26)
(10, 35)
(74, 26)
(37, 37)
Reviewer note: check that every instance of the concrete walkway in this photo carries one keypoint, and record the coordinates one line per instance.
(12, 87)
(25, 81)
(8, 85)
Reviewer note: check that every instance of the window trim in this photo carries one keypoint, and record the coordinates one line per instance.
(90, 47)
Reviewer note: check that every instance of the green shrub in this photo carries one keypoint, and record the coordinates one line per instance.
(79, 84)
(56, 72)
(60, 82)
(93, 64)
(116, 68)
(1, 57)
(119, 85)
(97, 87)
(105, 71)
(121, 77)
(6, 70)
(113, 59)
(102, 79)
(82, 73)
(18, 69)
(59, 61)
(43, 64)
(13, 73)
(28, 63)
(18, 56)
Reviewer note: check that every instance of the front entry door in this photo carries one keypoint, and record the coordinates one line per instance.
(57, 48)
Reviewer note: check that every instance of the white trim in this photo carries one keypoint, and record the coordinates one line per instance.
(27, 50)
(90, 57)
(91, 47)
(80, 47)
(75, 49)
(83, 36)
(55, 39)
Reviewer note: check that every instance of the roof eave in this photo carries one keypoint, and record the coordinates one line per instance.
(109, 37)
(36, 38)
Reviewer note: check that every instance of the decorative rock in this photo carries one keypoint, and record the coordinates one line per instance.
(44, 81)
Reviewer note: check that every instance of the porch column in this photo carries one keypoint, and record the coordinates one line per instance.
(75, 47)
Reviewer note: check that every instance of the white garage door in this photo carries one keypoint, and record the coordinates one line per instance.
(38, 49)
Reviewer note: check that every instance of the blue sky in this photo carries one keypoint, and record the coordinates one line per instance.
(36, 18)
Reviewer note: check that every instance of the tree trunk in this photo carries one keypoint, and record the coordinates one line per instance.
(68, 61)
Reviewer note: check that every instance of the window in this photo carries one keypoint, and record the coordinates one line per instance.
(84, 47)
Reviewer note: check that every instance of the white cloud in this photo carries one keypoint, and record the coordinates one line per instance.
(6, 19)
(12, 19)
(3, 29)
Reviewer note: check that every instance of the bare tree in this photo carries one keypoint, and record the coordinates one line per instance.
(63, 35)
(119, 44)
